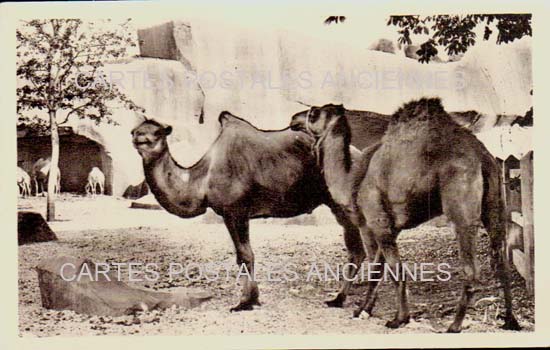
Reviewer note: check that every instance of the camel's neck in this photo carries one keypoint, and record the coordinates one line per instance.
(336, 162)
(179, 190)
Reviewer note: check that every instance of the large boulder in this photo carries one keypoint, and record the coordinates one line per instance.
(32, 228)
(136, 191)
(63, 286)
(158, 42)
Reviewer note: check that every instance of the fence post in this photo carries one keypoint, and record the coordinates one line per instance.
(526, 165)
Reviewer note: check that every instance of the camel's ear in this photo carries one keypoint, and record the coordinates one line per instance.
(340, 109)
(167, 130)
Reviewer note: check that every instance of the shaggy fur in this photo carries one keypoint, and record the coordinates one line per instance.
(426, 165)
(247, 173)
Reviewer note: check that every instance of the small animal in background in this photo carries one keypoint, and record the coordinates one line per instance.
(95, 179)
(40, 173)
(23, 182)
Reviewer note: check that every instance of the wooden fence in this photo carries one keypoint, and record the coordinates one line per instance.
(520, 246)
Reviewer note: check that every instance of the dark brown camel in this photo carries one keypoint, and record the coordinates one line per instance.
(247, 173)
(425, 165)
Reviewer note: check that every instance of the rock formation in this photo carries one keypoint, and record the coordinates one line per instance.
(32, 228)
(68, 283)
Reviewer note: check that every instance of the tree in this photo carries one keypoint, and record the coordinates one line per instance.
(59, 66)
(335, 19)
(456, 33)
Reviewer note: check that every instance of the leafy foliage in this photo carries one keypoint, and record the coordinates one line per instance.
(456, 33)
(335, 20)
(35, 124)
(59, 65)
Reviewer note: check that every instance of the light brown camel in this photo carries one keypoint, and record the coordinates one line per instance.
(425, 165)
(40, 171)
(247, 173)
(23, 182)
(95, 179)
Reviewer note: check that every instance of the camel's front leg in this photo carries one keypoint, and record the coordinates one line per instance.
(356, 254)
(375, 259)
(238, 228)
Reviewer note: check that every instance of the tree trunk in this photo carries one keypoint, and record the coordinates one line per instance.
(52, 178)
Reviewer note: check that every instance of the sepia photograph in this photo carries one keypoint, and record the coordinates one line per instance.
(269, 171)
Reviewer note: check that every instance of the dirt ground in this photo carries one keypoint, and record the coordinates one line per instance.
(104, 229)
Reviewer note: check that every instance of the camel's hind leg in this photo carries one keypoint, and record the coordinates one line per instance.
(461, 198)
(356, 254)
(494, 220)
(466, 236)
(238, 229)
(502, 271)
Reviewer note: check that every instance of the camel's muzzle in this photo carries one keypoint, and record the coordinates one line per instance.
(140, 142)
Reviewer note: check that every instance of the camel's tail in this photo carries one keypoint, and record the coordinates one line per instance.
(495, 219)
(494, 208)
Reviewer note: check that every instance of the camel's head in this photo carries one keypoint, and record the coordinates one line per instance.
(149, 138)
(317, 120)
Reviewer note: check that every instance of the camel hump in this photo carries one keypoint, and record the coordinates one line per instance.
(226, 119)
(421, 109)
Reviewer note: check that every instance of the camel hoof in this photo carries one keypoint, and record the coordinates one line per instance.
(338, 301)
(245, 306)
(511, 324)
(396, 323)
(357, 312)
(242, 307)
(454, 329)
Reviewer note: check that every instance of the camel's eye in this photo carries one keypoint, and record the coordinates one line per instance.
(314, 116)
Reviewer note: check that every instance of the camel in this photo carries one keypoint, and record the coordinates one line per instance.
(40, 171)
(425, 165)
(247, 173)
(95, 179)
(23, 182)
(368, 127)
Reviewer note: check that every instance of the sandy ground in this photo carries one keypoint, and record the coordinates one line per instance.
(104, 229)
